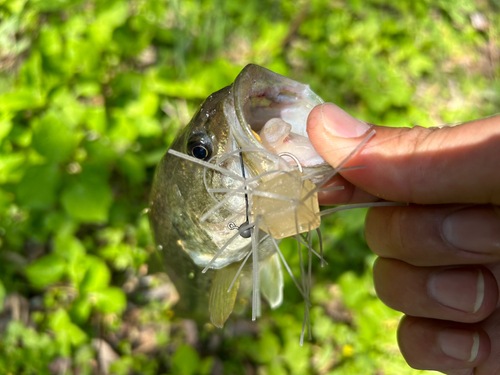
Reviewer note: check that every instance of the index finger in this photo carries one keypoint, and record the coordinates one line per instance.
(458, 164)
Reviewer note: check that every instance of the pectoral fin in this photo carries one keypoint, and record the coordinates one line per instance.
(271, 281)
(221, 303)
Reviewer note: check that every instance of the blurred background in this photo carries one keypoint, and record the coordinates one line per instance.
(91, 95)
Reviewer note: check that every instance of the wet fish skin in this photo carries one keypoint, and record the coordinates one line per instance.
(179, 196)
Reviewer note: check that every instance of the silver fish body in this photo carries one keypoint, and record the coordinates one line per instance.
(183, 192)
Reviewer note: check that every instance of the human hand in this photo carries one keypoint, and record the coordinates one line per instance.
(439, 258)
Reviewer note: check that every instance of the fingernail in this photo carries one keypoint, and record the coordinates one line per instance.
(459, 288)
(341, 124)
(459, 344)
(475, 229)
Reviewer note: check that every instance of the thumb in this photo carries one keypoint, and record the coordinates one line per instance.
(418, 165)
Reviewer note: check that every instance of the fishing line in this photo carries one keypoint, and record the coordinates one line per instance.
(361, 205)
(211, 211)
(287, 267)
(309, 279)
(230, 209)
(246, 187)
(333, 188)
(255, 275)
(205, 164)
(313, 251)
(257, 193)
(247, 233)
(221, 250)
(320, 239)
(239, 271)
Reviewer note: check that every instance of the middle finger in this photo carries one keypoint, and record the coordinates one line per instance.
(436, 235)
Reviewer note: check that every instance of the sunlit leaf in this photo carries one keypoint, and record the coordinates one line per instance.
(46, 270)
(96, 277)
(110, 300)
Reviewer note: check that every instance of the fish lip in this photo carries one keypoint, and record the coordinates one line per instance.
(286, 96)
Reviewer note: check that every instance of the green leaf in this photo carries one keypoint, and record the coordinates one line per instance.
(66, 332)
(147, 126)
(5, 125)
(124, 130)
(34, 194)
(95, 119)
(10, 167)
(185, 361)
(81, 309)
(132, 167)
(110, 300)
(50, 41)
(46, 270)
(70, 110)
(54, 139)
(147, 105)
(96, 277)
(15, 6)
(31, 77)
(53, 5)
(88, 200)
(24, 98)
(206, 365)
(5, 199)
(21, 136)
(69, 247)
(107, 20)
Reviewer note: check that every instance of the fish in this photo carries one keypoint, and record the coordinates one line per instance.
(240, 176)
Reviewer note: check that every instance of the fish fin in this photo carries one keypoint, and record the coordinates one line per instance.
(221, 302)
(271, 281)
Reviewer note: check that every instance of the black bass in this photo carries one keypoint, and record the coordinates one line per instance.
(234, 182)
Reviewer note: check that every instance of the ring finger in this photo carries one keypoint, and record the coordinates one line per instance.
(460, 293)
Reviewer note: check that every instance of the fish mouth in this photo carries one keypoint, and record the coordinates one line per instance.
(272, 112)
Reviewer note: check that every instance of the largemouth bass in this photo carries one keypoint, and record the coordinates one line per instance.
(235, 181)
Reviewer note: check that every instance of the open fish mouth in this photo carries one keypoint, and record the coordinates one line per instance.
(272, 112)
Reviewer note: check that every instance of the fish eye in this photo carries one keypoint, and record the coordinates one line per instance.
(200, 148)
(199, 152)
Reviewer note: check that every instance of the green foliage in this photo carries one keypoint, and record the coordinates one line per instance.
(185, 361)
(46, 270)
(91, 95)
(25, 351)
